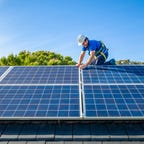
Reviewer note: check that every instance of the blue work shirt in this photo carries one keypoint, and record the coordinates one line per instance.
(93, 45)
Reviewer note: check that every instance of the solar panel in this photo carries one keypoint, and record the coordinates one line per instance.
(3, 69)
(114, 101)
(114, 92)
(39, 102)
(114, 74)
(42, 75)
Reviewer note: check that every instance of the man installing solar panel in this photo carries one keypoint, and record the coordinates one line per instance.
(98, 53)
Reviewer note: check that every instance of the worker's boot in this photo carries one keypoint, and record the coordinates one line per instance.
(112, 62)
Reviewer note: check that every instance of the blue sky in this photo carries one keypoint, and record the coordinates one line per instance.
(54, 25)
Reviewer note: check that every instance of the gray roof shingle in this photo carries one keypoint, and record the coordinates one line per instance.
(74, 132)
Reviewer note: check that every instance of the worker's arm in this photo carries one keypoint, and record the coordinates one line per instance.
(89, 61)
(81, 58)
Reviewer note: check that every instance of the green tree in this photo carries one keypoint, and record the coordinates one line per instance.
(37, 58)
(11, 60)
(3, 61)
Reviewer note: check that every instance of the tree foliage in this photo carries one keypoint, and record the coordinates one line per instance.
(128, 62)
(36, 58)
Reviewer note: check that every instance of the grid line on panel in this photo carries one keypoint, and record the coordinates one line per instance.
(125, 103)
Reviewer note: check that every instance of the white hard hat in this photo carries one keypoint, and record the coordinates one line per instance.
(81, 38)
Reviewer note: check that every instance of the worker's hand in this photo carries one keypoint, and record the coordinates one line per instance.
(78, 65)
(82, 66)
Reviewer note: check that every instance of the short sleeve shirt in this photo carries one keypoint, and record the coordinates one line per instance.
(93, 45)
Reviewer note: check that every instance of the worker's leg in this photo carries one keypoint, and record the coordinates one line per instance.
(101, 60)
(110, 62)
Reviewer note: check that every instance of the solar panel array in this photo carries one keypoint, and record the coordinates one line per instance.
(65, 92)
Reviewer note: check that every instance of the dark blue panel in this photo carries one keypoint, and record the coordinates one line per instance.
(3, 69)
(114, 74)
(40, 101)
(42, 75)
(115, 101)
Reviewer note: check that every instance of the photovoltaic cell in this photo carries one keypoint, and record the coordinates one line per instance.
(42, 75)
(113, 74)
(57, 101)
(3, 69)
(119, 101)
